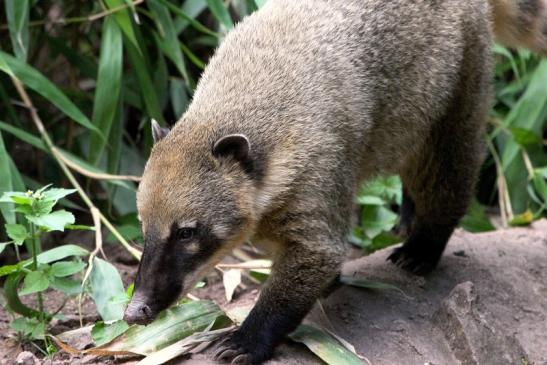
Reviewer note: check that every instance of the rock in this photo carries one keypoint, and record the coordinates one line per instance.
(26, 358)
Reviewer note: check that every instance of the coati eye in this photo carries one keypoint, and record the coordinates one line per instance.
(185, 234)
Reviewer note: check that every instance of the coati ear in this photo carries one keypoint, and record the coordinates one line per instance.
(158, 133)
(233, 145)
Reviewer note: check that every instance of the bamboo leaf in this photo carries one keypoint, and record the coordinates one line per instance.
(5, 182)
(221, 13)
(34, 80)
(17, 12)
(108, 88)
(124, 21)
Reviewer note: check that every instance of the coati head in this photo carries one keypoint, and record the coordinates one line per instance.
(194, 203)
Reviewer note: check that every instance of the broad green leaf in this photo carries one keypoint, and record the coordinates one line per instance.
(17, 232)
(35, 281)
(66, 285)
(61, 252)
(108, 88)
(377, 219)
(34, 80)
(105, 283)
(103, 333)
(17, 12)
(66, 268)
(55, 221)
(169, 327)
(3, 246)
(325, 346)
(220, 12)
(55, 194)
(31, 327)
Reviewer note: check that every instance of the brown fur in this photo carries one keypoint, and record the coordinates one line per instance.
(328, 93)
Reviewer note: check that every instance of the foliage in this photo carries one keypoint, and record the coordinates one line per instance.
(96, 72)
(44, 269)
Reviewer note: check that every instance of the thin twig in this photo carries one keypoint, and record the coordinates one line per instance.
(91, 174)
(80, 19)
(96, 215)
(59, 158)
(503, 193)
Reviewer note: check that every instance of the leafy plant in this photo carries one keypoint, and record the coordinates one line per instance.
(44, 269)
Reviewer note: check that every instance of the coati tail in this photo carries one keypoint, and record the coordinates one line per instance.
(521, 23)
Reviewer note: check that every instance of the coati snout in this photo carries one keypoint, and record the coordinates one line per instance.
(302, 102)
(191, 213)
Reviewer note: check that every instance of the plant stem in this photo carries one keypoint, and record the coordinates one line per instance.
(35, 243)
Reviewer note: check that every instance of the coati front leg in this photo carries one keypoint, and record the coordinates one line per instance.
(302, 272)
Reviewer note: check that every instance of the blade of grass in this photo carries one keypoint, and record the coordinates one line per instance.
(221, 13)
(169, 39)
(17, 13)
(34, 80)
(124, 21)
(108, 88)
(194, 23)
(6, 183)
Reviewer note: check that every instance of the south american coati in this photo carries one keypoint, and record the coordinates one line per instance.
(302, 102)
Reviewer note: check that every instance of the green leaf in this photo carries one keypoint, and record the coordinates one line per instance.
(61, 252)
(221, 13)
(168, 37)
(325, 346)
(55, 194)
(23, 135)
(66, 285)
(525, 137)
(476, 219)
(103, 333)
(370, 200)
(31, 327)
(124, 21)
(170, 326)
(34, 80)
(5, 182)
(55, 221)
(377, 219)
(108, 88)
(105, 284)
(190, 11)
(17, 12)
(17, 232)
(35, 281)
(523, 219)
(3, 246)
(369, 284)
(66, 268)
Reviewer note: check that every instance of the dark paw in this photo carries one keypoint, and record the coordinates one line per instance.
(242, 350)
(414, 259)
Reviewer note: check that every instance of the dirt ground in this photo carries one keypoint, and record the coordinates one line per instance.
(485, 304)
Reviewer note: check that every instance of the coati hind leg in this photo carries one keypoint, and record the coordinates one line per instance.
(440, 179)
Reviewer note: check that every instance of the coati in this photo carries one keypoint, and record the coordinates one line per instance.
(302, 102)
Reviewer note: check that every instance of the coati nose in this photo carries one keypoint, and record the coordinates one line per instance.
(138, 313)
